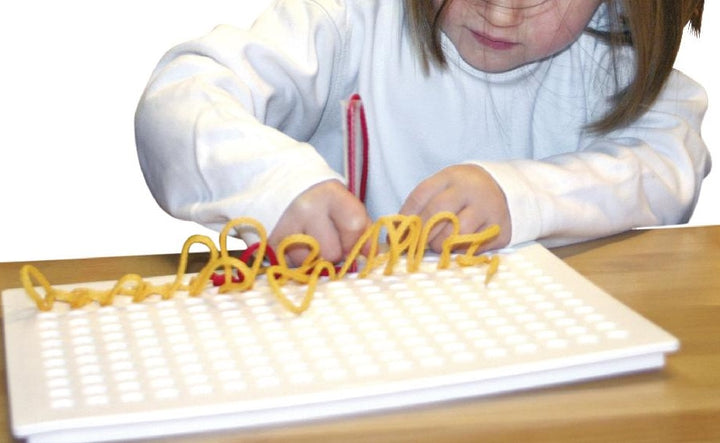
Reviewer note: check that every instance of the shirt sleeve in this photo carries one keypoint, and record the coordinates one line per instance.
(648, 173)
(222, 127)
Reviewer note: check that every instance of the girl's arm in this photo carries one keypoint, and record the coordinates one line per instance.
(223, 125)
(646, 174)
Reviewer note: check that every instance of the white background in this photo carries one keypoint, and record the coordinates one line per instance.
(72, 72)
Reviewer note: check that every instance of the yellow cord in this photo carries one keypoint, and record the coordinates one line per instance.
(404, 235)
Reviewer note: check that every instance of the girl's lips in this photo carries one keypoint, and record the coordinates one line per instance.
(490, 42)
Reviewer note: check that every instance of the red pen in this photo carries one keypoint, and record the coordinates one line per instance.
(356, 147)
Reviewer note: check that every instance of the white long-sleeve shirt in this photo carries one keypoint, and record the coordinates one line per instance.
(240, 122)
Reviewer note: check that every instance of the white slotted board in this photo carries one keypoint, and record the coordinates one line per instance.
(234, 360)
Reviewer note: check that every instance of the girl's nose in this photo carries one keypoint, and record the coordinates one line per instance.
(501, 14)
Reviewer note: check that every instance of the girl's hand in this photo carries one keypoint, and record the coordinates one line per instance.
(467, 191)
(329, 213)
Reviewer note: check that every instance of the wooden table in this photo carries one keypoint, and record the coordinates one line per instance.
(671, 276)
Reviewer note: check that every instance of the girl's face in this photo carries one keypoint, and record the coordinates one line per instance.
(500, 35)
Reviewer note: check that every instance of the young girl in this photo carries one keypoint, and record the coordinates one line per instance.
(559, 120)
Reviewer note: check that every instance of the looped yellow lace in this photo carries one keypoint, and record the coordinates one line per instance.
(403, 235)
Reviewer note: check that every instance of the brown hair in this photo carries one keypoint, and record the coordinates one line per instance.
(654, 28)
